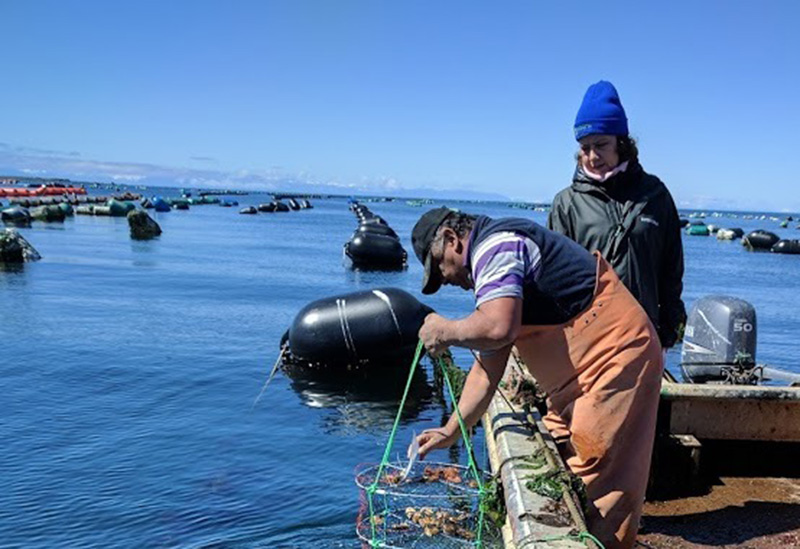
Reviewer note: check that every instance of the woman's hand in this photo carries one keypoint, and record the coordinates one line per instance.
(432, 334)
(434, 439)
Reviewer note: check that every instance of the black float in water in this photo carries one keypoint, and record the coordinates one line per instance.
(787, 247)
(267, 207)
(376, 328)
(373, 219)
(376, 228)
(375, 251)
(374, 244)
(760, 240)
(18, 216)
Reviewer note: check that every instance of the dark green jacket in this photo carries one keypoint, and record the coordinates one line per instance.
(631, 219)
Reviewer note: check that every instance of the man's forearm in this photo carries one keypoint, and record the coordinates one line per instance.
(494, 326)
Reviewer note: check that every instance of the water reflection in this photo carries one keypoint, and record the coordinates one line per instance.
(51, 226)
(144, 251)
(360, 278)
(12, 268)
(363, 402)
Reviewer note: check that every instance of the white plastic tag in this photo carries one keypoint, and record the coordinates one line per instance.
(413, 452)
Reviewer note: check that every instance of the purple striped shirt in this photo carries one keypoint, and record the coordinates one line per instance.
(501, 264)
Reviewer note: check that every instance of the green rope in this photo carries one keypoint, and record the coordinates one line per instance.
(470, 456)
(374, 486)
(464, 432)
(582, 537)
(375, 542)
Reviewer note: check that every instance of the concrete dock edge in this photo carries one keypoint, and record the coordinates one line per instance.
(513, 438)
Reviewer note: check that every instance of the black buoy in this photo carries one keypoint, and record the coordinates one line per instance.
(268, 207)
(760, 240)
(249, 210)
(738, 233)
(350, 331)
(375, 251)
(17, 215)
(293, 204)
(374, 219)
(376, 228)
(280, 206)
(787, 247)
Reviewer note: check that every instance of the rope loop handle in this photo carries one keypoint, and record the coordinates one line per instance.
(390, 443)
(470, 455)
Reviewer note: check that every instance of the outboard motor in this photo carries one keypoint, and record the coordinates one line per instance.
(345, 333)
(719, 345)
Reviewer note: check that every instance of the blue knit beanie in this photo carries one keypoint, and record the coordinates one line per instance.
(601, 112)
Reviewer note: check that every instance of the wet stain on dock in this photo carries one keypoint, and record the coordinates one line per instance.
(753, 513)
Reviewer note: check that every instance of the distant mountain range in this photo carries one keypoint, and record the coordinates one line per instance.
(283, 186)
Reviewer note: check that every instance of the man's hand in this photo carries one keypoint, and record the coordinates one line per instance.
(432, 334)
(434, 439)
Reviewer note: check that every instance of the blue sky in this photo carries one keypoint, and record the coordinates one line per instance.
(371, 95)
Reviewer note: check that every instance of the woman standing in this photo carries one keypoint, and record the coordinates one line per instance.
(615, 207)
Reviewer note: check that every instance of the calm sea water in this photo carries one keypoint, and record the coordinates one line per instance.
(129, 372)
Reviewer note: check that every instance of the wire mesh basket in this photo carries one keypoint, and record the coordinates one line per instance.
(434, 505)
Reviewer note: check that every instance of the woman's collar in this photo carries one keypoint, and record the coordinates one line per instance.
(608, 175)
